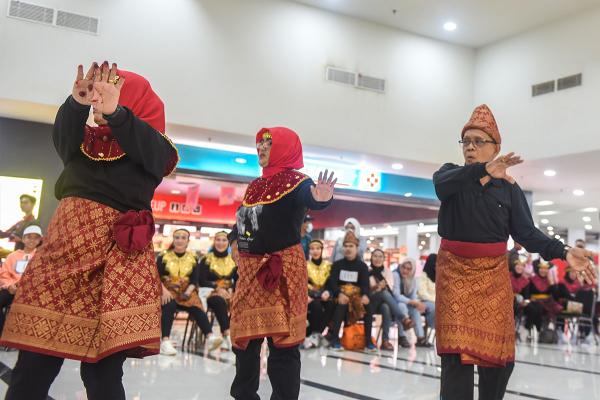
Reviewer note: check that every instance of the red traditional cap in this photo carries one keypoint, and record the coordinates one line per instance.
(483, 119)
(138, 96)
(286, 150)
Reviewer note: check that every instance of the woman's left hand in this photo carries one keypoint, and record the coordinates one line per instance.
(323, 190)
(579, 260)
(108, 89)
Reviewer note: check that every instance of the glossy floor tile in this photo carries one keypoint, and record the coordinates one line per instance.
(541, 372)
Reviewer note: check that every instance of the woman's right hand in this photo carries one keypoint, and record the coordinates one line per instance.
(83, 87)
(166, 296)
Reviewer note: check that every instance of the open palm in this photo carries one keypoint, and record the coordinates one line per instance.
(323, 190)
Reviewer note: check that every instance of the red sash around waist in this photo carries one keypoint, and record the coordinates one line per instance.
(473, 250)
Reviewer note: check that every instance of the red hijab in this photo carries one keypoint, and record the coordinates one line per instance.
(286, 150)
(138, 96)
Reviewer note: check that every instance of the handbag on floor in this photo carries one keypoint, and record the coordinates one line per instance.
(353, 337)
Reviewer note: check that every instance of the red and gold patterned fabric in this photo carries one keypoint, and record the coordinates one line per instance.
(269, 190)
(281, 314)
(474, 304)
(83, 298)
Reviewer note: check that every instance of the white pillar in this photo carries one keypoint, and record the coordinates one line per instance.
(574, 234)
(412, 241)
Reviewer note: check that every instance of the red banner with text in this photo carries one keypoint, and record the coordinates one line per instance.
(174, 207)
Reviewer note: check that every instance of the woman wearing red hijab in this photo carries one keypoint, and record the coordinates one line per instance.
(270, 298)
(92, 293)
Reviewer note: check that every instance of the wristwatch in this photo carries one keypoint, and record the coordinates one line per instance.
(112, 116)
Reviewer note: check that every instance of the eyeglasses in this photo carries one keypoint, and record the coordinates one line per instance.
(266, 143)
(479, 143)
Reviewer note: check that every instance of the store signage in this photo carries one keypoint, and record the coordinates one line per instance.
(174, 208)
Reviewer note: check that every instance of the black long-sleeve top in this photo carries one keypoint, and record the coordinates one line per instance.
(194, 277)
(207, 278)
(490, 213)
(124, 184)
(268, 228)
(354, 272)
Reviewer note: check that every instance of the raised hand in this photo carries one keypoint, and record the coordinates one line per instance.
(579, 260)
(107, 89)
(323, 190)
(83, 87)
(497, 168)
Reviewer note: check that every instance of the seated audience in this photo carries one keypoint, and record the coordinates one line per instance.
(320, 303)
(405, 293)
(349, 285)
(382, 301)
(218, 271)
(179, 273)
(14, 267)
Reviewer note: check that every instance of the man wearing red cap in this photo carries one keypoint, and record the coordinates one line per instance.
(270, 297)
(481, 205)
(92, 291)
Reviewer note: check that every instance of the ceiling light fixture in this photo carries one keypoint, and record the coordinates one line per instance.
(545, 221)
(550, 172)
(450, 26)
(586, 219)
(578, 192)
(543, 203)
(590, 209)
(548, 212)
(588, 227)
(397, 166)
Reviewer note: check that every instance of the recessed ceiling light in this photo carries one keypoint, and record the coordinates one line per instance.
(588, 227)
(240, 160)
(545, 221)
(175, 191)
(578, 192)
(556, 236)
(543, 203)
(550, 228)
(450, 26)
(550, 172)
(397, 166)
(428, 235)
(548, 212)
(590, 209)
(409, 194)
(586, 219)
(423, 242)
(420, 247)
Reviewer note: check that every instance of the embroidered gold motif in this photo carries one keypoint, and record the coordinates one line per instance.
(220, 266)
(179, 267)
(318, 274)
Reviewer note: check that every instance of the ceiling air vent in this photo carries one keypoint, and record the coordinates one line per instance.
(371, 83)
(569, 82)
(340, 76)
(76, 21)
(542, 88)
(30, 12)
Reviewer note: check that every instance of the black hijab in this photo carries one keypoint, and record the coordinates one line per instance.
(429, 267)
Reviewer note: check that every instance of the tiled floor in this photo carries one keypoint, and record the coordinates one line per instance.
(541, 372)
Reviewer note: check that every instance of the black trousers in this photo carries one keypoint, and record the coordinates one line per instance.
(218, 305)
(458, 380)
(283, 368)
(534, 315)
(339, 315)
(319, 314)
(34, 373)
(6, 300)
(168, 316)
